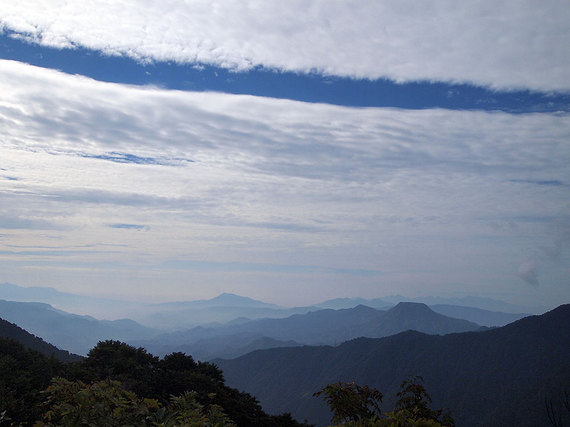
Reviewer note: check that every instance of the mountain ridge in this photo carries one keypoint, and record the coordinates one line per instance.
(11, 331)
(497, 377)
(71, 332)
(226, 307)
(321, 327)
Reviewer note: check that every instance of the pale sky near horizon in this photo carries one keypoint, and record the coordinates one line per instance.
(178, 150)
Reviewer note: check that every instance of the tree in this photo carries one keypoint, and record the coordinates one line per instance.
(134, 367)
(107, 403)
(414, 400)
(351, 402)
(358, 406)
(146, 375)
(118, 383)
(101, 403)
(23, 375)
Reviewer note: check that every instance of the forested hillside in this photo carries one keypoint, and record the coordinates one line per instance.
(11, 331)
(498, 377)
(117, 384)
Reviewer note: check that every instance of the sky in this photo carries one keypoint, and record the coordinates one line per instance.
(290, 151)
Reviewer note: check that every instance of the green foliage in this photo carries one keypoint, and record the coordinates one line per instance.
(106, 387)
(185, 410)
(358, 406)
(146, 375)
(413, 403)
(107, 403)
(351, 402)
(101, 403)
(134, 367)
(24, 374)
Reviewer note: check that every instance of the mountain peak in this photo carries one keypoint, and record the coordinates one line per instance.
(363, 309)
(238, 301)
(229, 296)
(415, 307)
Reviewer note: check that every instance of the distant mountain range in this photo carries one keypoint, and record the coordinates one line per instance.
(101, 308)
(221, 309)
(339, 303)
(225, 326)
(467, 301)
(318, 327)
(500, 376)
(71, 332)
(477, 315)
(78, 334)
(228, 307)
(14, 332)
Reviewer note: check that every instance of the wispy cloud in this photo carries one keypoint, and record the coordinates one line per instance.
(118, 157)
(438, 40)
(137, 227)
(236, 267)
(12, 221)
(451, 196)
(548, 182)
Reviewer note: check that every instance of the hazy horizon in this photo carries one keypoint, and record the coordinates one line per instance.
(83, 304)
(290, 152)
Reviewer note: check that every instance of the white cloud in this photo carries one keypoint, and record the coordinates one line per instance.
(507, 44)
(447, 195)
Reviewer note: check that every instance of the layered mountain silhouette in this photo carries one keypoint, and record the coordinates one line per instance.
(101, 308)
(221, 309)
(478, 315)
(229, 307)
(31, 342)
(71, 332)
(319, 327)
(500, 376)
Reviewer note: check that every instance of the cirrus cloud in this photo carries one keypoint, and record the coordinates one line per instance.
(427, 197)
(508, 44)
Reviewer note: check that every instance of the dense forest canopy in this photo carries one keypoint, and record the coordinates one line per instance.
(121, 379)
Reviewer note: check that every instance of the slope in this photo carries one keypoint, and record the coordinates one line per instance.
(14, 332)
(69, 331)
(315, 328)
(497, 377)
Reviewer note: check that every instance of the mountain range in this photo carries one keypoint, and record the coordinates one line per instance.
(501, 376)
(101, 308)
(326, 326)
(485, 376)
(228, 307)
(225, 326)
(71, 332)
(221, 309)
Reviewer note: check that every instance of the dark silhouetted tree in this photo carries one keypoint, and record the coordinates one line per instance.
(351, 402)
(358, 406)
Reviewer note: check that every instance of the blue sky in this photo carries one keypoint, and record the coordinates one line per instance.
(292, 152)
(260, 81)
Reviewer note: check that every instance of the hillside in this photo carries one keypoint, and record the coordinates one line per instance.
(71, 332)
(497, 377)
(14, 332)
(478, 315)
(119, 385)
